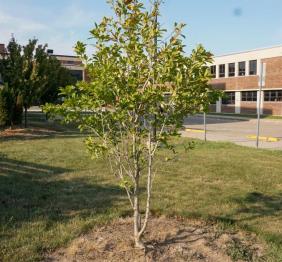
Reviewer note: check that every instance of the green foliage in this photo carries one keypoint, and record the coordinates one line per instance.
(10, 110)
(58, 77)
(3, 108)
(11, 71)
(128, 79)
(32, 77)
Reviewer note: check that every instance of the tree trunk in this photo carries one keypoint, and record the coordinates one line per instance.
(137, 224)
(136, 207)
(149, 188)
(139, 229)
(25, 116)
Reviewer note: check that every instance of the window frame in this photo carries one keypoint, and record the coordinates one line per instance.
(268, 95)
(213, 67)
(249, 96)
(232, 74)
(253, 72)
(242, 72)
(222, 74)
(230, 98)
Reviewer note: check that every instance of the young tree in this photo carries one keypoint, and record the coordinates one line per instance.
(131, 90)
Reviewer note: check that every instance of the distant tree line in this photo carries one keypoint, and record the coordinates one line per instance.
(30, 77)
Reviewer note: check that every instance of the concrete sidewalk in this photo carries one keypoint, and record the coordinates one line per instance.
(241, 131)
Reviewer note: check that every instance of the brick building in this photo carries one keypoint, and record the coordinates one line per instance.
(73, 63)
(3, 50)
(237, 75)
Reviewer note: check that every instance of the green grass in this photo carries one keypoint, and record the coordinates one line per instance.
(51, 192)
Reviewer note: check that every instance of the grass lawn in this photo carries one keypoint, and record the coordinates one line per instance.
(51, 192)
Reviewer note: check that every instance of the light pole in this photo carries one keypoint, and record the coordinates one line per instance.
(261, 84)
(205, 126)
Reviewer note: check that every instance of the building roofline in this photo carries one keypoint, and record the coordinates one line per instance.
(71, 56)
(248, 51)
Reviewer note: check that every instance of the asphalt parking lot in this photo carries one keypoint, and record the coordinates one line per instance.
(237, 130)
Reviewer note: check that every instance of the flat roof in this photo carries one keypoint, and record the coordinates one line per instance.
(71, 56)
(249, 51)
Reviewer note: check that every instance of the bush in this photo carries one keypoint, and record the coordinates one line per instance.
(4, 113)
(11, 109)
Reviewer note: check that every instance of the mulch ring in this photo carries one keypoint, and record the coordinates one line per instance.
(168, 239)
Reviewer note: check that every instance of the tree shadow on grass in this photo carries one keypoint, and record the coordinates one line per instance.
(30, 191)
(253, 206)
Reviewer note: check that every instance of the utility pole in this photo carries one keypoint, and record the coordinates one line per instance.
(261, 84)
(205, 125)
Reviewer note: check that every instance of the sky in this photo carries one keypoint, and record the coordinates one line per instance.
(222, 26)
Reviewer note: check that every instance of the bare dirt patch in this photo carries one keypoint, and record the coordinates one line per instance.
(26, 133)
(168, 240)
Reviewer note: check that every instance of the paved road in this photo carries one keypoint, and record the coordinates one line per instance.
(235, 130)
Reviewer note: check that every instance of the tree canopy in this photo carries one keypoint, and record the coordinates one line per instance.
(30, 76)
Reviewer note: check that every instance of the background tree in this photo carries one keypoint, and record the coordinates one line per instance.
(127, 96)
(11, 71)
(31, 76)
(4, 113)
(33, 73)
(58, 77)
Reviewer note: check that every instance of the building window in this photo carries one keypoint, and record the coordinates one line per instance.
(242, 68)
(213, 71)
(77, 74)
(253, 67)
(273, 95)
(222, 70)
(228, 98)
(231, 69)
(250, 96)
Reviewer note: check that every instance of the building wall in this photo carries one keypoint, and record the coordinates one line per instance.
(228, 109)
(236, 83)
(272, 108)
(74, 64)
(272, 57)
(248, 107)
(3, 50)
(273, 72)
